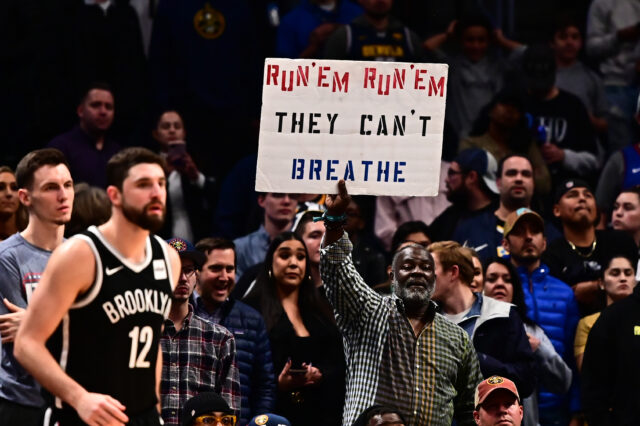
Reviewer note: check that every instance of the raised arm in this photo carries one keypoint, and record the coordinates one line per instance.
(505, 42)
(69, 273)
(350, 296)
(336, 207)
(435, 41)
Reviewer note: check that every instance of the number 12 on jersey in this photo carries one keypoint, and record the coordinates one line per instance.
(137, 360)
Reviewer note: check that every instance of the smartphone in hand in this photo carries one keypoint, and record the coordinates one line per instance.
(176, 153)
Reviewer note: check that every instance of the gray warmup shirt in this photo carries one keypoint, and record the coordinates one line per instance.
(21, 265)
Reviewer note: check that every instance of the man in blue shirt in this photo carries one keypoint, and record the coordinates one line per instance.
(279, 211)
(550, 304)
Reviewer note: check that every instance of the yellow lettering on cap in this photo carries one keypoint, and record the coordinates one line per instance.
(636, 330)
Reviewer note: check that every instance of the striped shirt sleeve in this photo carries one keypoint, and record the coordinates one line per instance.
(352, 299)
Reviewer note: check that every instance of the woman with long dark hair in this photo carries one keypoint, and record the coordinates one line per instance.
(305, 342)
(502, 282)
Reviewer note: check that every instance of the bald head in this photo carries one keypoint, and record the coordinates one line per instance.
(413, 274)
(405, 246)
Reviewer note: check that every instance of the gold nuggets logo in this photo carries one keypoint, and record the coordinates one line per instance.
(179, 244)
(495, 380)
(261, 420)
(208, 22)
(382, 50)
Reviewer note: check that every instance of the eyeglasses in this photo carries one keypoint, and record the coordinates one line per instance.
(452, 172)
(210, 419)
(189, 271)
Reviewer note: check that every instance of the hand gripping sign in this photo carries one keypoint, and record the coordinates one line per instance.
(378, 125)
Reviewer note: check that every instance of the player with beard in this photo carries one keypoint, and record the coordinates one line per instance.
(577, 259)
(397, 347)
(109, 289)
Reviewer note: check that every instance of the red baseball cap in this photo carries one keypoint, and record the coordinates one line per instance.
(491, 384)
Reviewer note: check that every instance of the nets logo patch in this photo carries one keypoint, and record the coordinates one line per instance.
(159, 269)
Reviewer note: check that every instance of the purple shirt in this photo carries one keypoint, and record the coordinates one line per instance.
(87, 163)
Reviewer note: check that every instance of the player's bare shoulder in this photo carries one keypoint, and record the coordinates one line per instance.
(73, 262)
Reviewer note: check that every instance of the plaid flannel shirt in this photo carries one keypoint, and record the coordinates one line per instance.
(201, 357)
(430, 378)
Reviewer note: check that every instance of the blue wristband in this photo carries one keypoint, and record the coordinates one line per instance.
(327, 218)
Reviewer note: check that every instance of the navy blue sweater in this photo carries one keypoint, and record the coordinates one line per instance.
(253, 356)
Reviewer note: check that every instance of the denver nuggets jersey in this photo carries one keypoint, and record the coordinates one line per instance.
(366, 44)
(108, 341)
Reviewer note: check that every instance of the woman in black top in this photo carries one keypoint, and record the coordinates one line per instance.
(305, 342)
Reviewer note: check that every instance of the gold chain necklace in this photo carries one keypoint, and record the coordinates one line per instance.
(574, 248)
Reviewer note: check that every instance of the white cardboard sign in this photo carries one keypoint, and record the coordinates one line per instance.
(378, 125)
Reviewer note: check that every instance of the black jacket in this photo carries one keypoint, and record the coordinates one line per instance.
(611, 365)
(501, 342)
(199, 203)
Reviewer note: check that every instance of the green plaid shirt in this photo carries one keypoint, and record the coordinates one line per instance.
(430, 378)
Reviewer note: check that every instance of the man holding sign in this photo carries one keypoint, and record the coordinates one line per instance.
(399, 350)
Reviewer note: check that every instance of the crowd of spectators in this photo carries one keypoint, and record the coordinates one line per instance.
(533, 239)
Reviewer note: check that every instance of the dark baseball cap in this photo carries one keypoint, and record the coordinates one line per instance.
(186, 250)
(567, 185)
(203, 403)
(482, 162)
